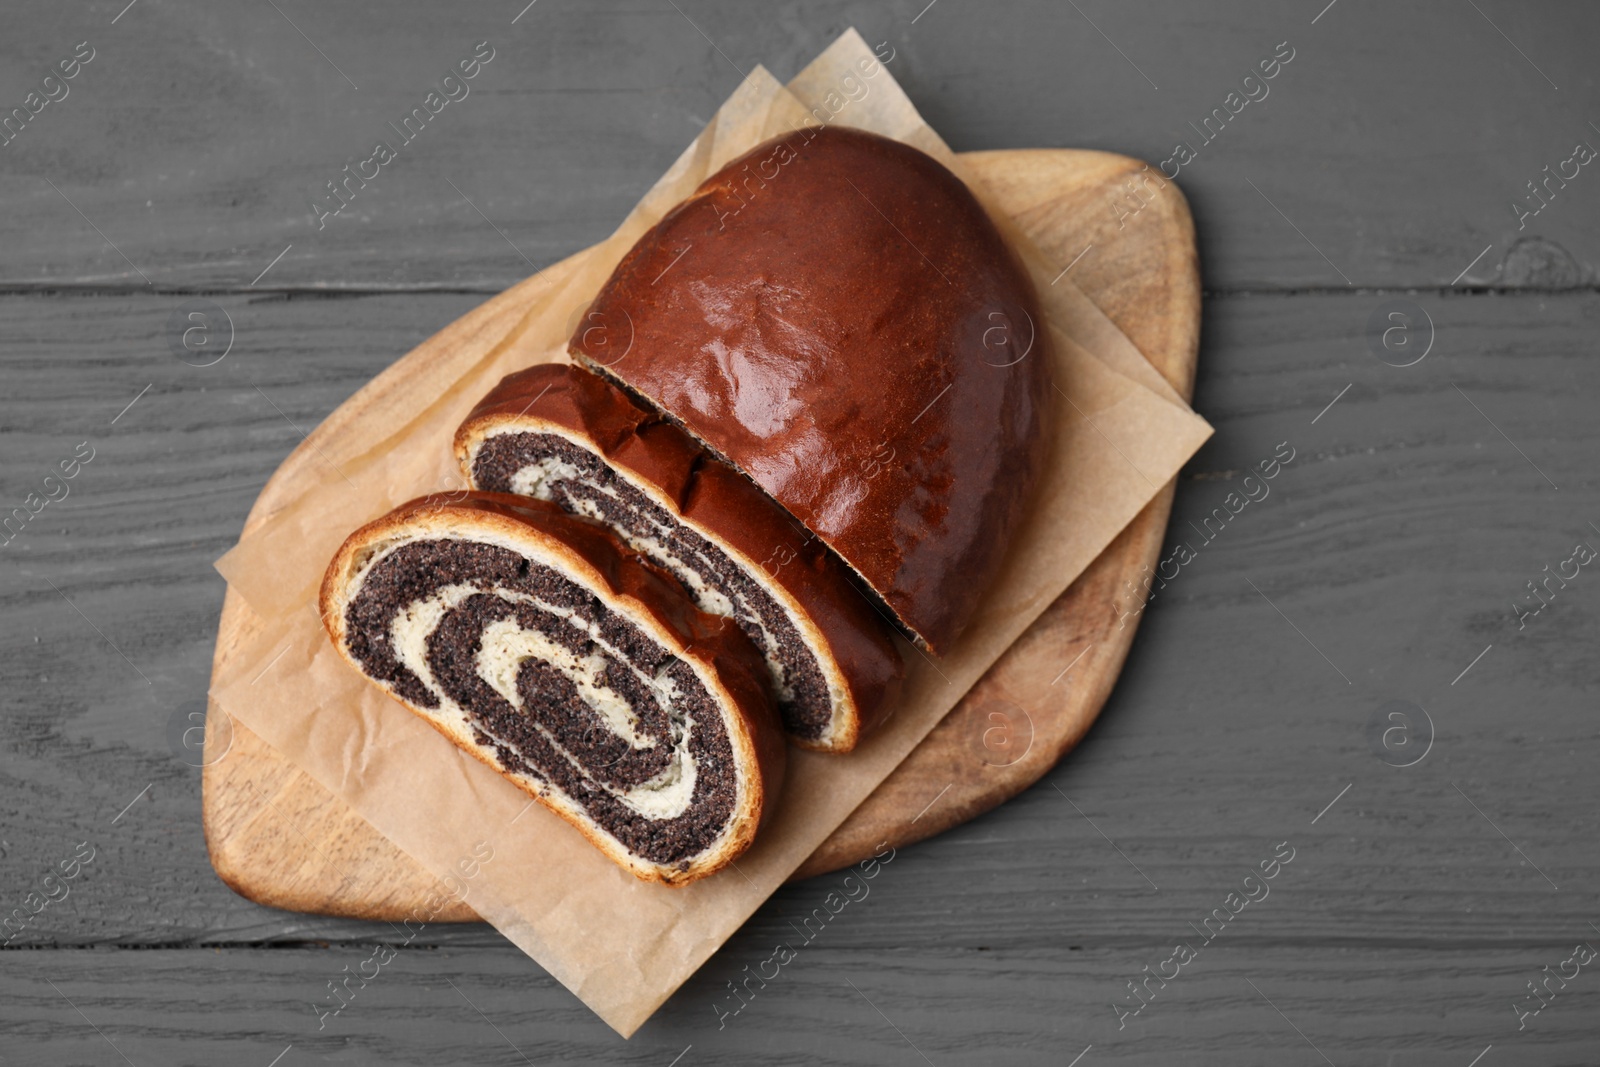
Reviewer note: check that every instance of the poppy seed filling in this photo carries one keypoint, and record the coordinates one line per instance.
(552, 467)
(564, 691)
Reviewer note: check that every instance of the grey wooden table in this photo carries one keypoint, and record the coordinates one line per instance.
(1426, 898)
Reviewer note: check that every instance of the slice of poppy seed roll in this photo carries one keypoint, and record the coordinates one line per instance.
(561, 433)
(539, 644)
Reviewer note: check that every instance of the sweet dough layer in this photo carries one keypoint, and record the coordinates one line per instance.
(549, 466)
(504, 646)
(601, 494)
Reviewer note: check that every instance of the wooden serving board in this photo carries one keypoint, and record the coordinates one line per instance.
(279, 838)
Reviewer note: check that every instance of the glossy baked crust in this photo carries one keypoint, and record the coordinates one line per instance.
(837, 621)
(835, 314)
(719, 652)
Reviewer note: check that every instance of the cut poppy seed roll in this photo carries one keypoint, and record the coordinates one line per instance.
(563, 434)
(535, 641)
(834, 314)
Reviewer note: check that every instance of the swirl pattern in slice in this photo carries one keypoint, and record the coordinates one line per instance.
(562, 434)
(533, 640)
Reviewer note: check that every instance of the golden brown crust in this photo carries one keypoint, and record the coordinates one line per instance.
(835, 314)
(722, 655)
(841, 624)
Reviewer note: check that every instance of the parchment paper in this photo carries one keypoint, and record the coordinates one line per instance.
(622, 945)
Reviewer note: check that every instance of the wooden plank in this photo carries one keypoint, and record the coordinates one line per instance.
(1390, 165)
(922, 1003)
(1227, 732)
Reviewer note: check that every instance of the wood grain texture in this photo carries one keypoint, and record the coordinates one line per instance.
(198, 136)
(1013, 1009)
(1396, 541)
(279, 837)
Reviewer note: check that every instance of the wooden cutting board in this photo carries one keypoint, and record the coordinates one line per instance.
(279, 838)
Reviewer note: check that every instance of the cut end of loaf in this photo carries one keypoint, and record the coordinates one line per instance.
(560, 434)
(884, 610)
(894, 407)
